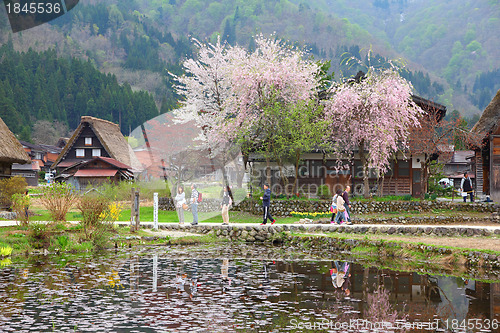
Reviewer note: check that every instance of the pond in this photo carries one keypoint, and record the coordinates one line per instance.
(243, 288)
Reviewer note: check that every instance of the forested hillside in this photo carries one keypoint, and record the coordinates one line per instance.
(40, 86)
(457, 41)
(452, 53)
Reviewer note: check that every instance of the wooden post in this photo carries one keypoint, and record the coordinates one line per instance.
(135, 210)
(155, 211)
(137, 204)
(132, 210)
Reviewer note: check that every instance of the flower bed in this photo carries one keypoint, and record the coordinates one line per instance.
(313, 215)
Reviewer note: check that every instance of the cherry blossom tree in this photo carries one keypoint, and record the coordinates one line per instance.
(373, 116)
(273, 77)
(206, 87)
(232, 94)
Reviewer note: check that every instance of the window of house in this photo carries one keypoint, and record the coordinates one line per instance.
(304, 169)
(316, 168)
(390, 171)
(80, 153)
(358, 169)
(38, 156)
(88, 141)
(359, 172)
(403, 168)
(96, 152)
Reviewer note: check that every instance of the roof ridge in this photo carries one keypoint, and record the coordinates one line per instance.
(94, 119)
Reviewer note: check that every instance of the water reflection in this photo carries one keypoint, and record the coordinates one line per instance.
(162, 291)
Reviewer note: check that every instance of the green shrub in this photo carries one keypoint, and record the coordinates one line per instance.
(9, 187)
(407, 197)
(58, 198)
(39, 236)
(324, 192)
(62, 241)
(121, 191)
(20, 205)
(92, 208)
(428, 196)
(5, 251)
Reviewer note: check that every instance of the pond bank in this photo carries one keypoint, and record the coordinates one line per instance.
(468, 246)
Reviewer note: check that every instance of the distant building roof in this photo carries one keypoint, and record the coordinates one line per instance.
(490, 119)
(33, 166)
(11, 150)
(110, 137)
(460, 156)
(96, 173)
(460, 175)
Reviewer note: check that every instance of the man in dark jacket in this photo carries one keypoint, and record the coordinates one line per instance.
(266, 202)
(466, 187)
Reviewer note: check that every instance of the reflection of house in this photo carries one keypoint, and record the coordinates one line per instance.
(95, 172)
(11, 151)
(319, 168)
(96, 138)
(487, 158)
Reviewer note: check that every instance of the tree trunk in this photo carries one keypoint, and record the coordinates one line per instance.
(424, 177)
(268, 171)
(422, 168)
(284, 179)
(296, 181)
(381, 182)
(364, 163)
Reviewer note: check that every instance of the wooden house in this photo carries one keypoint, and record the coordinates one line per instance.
(29, 172)
(11, 151)
(486, 160)
(96, 138)
(318, 168)
(95, 172)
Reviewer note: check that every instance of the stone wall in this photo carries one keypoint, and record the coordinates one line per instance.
(285, 207)
(206, 205)
(263, 233)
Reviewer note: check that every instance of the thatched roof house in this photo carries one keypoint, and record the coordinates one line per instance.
(487, 157)
(96, 137)
(11, 151)
(489, 121)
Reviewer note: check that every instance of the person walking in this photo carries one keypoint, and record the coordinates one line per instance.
(347, 204)
(266, 203)
(226, 203)
(343, 277)
(339, 218)
(194, 203)
(180, 201)
(466, 187)
(333, 273)
(333, 208)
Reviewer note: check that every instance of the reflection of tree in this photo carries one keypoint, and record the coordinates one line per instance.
(379, 309)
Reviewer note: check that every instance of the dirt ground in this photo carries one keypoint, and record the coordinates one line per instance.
(479, 243)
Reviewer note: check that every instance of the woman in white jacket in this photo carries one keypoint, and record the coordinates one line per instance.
(180, 200)
(340, 208)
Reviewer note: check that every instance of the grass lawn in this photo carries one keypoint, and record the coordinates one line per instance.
(241, 217)
(146, 215)
(213, 217)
